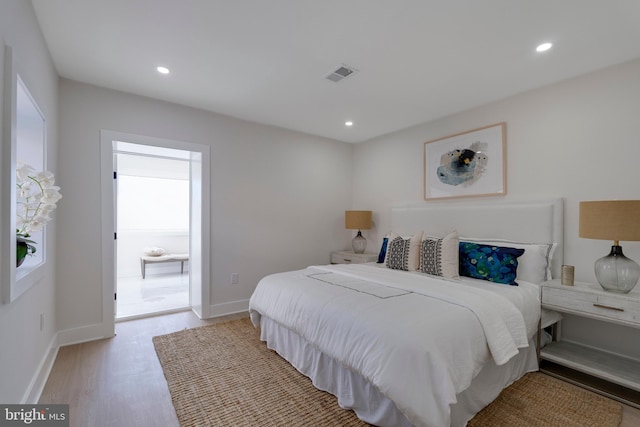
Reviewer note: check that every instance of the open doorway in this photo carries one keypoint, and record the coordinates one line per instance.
(198, 269)
(152, 223)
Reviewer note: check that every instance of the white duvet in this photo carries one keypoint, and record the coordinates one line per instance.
(419, 339)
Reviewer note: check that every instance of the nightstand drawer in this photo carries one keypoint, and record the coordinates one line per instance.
(610, 306)
(346, 257)
(337, 258)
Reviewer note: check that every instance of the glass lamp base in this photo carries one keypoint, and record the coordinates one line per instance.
(617, 273)
(359, 243)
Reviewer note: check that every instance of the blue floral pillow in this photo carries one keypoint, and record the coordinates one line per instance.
(493, 263)
(383, 250)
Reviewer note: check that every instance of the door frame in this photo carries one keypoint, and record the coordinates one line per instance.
(199, 221)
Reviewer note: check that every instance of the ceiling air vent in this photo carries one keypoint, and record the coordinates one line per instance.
(342, 72)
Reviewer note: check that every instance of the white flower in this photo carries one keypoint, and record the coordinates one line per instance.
(36, 198)
(51, 195)
(23, 171)
(45, 178)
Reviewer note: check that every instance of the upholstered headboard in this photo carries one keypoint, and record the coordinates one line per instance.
(530, 222)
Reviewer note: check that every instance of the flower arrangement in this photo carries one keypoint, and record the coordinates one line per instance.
(35, 200)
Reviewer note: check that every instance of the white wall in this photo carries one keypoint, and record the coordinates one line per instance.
(579, 139)
(24, 347)
(278, 196)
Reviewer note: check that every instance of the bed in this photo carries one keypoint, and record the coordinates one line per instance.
(420, 347)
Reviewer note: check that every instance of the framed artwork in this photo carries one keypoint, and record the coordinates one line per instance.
(467, 164)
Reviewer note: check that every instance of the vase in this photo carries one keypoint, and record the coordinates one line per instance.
(22, 249)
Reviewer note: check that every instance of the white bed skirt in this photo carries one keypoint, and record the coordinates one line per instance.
(355, 393)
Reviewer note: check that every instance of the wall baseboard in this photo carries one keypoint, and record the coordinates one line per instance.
(233, 307)
(33, 392)
(81, 334)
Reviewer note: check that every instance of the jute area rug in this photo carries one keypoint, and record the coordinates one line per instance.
(223, 375)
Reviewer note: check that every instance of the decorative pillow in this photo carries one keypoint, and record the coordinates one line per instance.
(403, 253)
(153, 251)
(439, 257)
(534, 265)
(493, 263)
(383, 250)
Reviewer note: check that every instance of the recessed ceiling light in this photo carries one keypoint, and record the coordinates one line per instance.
(348, 123)
(544, 47)
(163, 70)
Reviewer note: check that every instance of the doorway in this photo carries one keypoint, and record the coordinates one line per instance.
(196, 268)
(152, 229)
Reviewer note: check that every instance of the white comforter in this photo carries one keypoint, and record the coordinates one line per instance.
(419, 339)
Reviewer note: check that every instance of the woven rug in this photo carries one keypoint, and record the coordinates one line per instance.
(540, 400)
(223, 375)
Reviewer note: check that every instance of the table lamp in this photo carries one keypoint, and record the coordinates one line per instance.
(613, 220)
(358, 220)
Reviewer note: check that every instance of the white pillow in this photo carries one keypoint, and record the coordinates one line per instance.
(153, 251)
(403, 253)
(534, 265)
(439, 256)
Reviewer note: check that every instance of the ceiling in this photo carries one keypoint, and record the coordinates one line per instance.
(266, 61)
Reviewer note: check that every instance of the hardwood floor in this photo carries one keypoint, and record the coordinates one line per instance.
(119, 381)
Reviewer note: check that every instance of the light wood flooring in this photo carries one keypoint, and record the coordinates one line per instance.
(119, 381)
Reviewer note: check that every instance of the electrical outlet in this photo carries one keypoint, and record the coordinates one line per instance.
(41, 321)
(235, 278)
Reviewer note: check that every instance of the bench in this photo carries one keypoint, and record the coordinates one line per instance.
(146, 259)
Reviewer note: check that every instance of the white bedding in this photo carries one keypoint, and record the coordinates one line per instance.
(420, 340)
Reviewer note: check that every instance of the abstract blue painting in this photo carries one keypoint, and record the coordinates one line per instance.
(463, 166)
(466, 164)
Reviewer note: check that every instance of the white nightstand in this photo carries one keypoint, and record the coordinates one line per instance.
(590, 300)
(349, 257)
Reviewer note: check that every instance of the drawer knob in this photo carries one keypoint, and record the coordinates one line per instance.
(608, 307)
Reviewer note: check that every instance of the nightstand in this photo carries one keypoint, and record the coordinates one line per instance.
(349, 257)
(590, 300)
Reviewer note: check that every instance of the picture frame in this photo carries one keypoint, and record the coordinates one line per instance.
(466, 164)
